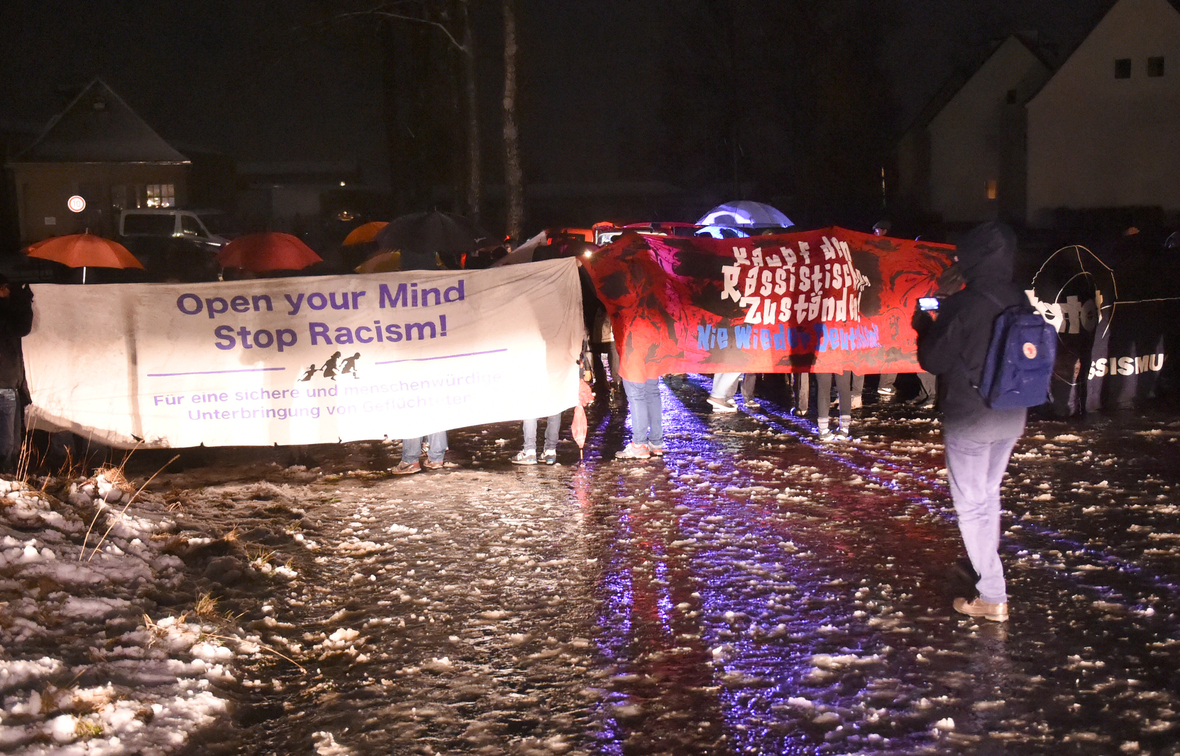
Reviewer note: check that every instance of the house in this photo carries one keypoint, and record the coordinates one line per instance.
(1102, 133)
(963, 161)
(93, 159)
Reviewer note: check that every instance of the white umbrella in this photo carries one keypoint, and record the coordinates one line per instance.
(523, 253)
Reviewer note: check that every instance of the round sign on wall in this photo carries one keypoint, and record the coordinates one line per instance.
(76, 203)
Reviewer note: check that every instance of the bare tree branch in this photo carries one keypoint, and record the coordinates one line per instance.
(411, 19)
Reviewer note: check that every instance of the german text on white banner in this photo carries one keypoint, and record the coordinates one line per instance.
(305, 360)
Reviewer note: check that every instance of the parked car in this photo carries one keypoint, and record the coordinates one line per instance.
(176, 244)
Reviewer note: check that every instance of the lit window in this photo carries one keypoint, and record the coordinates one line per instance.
(1155, 66)
(1122, 68)
(991, 189)
(161, 195)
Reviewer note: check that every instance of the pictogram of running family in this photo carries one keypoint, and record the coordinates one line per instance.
(331, 366)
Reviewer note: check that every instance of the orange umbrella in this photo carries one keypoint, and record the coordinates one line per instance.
(270, 250)
(84, 251)
(364, 233)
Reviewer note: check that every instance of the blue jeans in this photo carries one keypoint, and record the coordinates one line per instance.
(646, 411)
(975, 470)
(552, 432)
(10, 429)
(412, 448)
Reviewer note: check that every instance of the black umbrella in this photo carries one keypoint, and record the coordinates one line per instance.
(421, 236)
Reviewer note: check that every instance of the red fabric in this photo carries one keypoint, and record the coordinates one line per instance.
(704, 305)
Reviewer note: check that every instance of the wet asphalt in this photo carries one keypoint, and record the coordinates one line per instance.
(755, 591)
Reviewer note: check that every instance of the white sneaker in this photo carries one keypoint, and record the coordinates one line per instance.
(634, 451)
(525, 458)
(722, 405)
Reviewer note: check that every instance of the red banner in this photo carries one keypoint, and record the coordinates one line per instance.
(820, 301)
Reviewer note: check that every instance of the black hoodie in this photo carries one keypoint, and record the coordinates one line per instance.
(954, 345)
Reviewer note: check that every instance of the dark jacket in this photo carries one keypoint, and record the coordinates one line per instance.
(953, 346)
(16, 320)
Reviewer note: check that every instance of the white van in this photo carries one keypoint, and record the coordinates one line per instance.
(205, 228)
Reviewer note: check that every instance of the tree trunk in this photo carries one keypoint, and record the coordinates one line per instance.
(512, 173)
(474, 169)
(394, 115)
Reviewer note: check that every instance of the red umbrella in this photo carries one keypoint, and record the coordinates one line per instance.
(84, 251)
(580, 425)
(267, 251)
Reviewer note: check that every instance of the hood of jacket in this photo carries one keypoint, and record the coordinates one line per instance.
(987, 254)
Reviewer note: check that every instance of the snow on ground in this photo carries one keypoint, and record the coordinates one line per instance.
(90, 661)
(755, 591)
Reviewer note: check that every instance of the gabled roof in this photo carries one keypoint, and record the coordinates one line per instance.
(963, 74)
(1108, 15)
(98, 127)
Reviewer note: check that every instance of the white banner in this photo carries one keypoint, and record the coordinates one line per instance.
(305, 360)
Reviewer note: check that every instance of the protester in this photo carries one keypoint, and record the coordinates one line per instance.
(927, 391)
(749, 381)
(602, 341)
(528, 454)
(436, 442)
(952, 345)
(801, 391)
(647, 431)
(16, 320)
(823, 383)
(725, 387)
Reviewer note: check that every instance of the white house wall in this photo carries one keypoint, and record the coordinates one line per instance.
(979, 138)
(1095, 141)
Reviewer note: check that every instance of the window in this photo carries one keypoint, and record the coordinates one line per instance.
(161, 195)
(1155, 66)
(147, 225)
(119, 196)
(189, 226)
(1122, 68)
(992, 188)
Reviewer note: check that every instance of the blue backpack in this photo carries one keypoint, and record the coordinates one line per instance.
(1019, 364)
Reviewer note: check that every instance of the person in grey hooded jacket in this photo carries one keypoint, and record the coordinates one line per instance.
(952, 344)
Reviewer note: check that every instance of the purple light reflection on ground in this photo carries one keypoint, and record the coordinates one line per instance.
(738, 643)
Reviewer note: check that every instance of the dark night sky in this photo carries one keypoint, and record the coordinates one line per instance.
(249, 77)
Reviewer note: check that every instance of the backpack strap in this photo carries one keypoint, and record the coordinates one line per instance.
(962, 362)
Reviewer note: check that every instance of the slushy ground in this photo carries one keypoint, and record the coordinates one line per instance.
(755, 591)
